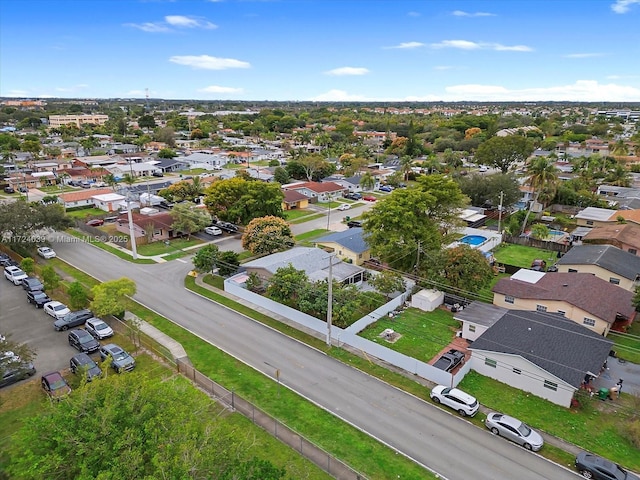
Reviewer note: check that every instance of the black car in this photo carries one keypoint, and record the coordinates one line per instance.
(353, 196)
(32, 284)
(23, 190)
(227, 227)
(6, 260)
(354, 224)
(598, 468)
(449, 360)
(38, 298)
(84, 364)
(82, 341)
(9, 190)
(15, 373)
(73, 319)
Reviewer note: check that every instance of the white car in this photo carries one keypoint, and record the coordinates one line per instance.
(46, 252)
(56, 309)
(344, 206)
(14, 274)
(213, 231)
(461, 402)
(98, 328)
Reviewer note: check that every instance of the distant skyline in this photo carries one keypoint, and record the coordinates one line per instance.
(329, 50)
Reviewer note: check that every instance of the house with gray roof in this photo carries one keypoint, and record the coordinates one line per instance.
(604, 261)
(477, 317)
(352, 184)
(594, 217)
(541, 353)
(313, 261)
(349, 245)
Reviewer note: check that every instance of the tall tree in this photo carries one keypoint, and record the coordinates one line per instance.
(109, 298)
(461, 268)
(20, 220)
(543, 176)
(20, 353)
(503, 152)
(266, 235)
(188, 218)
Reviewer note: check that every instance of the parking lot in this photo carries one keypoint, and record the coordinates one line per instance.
(25, 323)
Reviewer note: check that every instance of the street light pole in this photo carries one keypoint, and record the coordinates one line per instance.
(330, 301)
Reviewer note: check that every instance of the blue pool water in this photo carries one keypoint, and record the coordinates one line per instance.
(473, 240)
(556, 233)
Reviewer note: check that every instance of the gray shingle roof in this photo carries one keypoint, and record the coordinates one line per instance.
(611, 258)
(550, 341)
(481, 313)
(351, 239)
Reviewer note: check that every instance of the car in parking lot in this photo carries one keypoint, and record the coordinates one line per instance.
(14, 274)
(83, 364)
(54, 384)
(98, 328)
(46, 252)
(369, 198)
(15, 373)
(227, 227)
(344, 206)
(56, 309)
(598, 468)
(82, 341)
(32, 284)
(6, 260)
(120, 359)
(514, 430)
(213, 230)
(38, 298)
(354, 224)
(449, 360)
(72, 319)
(96, 222)
(462, 402)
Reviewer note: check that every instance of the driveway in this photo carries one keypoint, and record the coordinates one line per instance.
(619, 369)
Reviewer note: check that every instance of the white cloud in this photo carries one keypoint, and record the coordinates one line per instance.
(219, 89)
(443, 67)
(468, 45)
(460, 13)
(207, 62)
(623, 6)
(583, 55)
(347, 71)
(182, 21)
(339, 96)
(413, 14)
(407, 45)
(149, 27)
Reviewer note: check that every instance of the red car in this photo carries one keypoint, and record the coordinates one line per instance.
(369, 198)
(55, 385)
(96, 222)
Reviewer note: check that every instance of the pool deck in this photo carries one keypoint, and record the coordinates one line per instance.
(493, 239)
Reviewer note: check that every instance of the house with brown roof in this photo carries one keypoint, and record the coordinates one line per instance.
(625, 236)
(317, 191)
(581, 297)
(294, 200)
(82, 198)
(152, 227)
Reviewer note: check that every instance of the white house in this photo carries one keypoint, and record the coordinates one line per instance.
(109, 202)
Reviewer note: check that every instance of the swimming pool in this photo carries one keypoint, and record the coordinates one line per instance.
(556, 233)
(473, 240)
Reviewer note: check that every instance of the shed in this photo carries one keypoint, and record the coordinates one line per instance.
(427, 300)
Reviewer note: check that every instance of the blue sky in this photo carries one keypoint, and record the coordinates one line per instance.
(330, 50)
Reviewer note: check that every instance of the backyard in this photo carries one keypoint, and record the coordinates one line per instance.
(521, 255)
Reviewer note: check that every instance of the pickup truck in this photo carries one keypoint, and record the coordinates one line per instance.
(449, 360)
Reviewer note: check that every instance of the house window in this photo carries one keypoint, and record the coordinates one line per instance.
(573, 270)
(615, 281)
(472, 328)
(551, 385)
(517, 371)
(589, 222)
(590, 322)
(490, 362)
(541, 308)
(561, 313)
(509, 299)
(633, 250)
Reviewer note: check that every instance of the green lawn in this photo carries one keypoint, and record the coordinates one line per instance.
(424, 334)
(116, 251)
(86, 212)
(296, 213)
(627, 346)
(598, 431)
(310, 236)
(57, 189)
(158, 248)
(522, 255)
(307, 218)
(192, 172)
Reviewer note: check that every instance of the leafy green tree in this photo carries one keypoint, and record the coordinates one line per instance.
(50, 278)
(167, 153)
(32, 146)
(463, 269)
(188, 218)
(206, 258)
(137, 428)
(281, 176)
(367, 181)
(228, 262)
(386, 282)
(183, 190)
(110, 179)
(485, 190)
(543, 176)
(128, 179)
(540, 231)
(636, 298)
(503, 152)
(109, 298)
(49, 199)
(77, 296)
(147, 121)
(28, 265)
(166, 135)
(286, 284)
(266, 235)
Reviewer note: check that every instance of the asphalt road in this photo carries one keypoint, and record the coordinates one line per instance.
(432, 437)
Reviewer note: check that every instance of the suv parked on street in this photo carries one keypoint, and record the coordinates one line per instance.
(460, 401)
(38, 298)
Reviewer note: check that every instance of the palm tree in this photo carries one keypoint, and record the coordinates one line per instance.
(128, 179)
(367, 181)
(620, 148)
(111, 180)
(619, 176)
(543, 176)
(406, 162)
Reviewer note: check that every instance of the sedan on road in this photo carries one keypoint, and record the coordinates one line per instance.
(46, 252)
(38, 298)
(56, 309)
(460, 401)
(55, 385)
(514, 430)
(598, 468)
(82, 341)
(98, 328)
(344, 206)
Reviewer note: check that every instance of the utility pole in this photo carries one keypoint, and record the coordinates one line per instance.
(418, 257)
(330, 301)
(500, 211)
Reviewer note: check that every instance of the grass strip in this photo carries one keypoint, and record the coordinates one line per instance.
(116, 251)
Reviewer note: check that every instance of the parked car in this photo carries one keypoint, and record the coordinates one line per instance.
(96, 222)
(227, 227)
(23, 189)
(85, 184)
(344, 206)
(14, 274)
(514, 430)
(369, 198)
(54, 384)
(85, 365)
(598, 468)
(46, 252)
(15, 373)
(353, 196)
(72, 319)
(9, 190)
(386, 188)
(460, 401)
(449, 360)
(56, 309)
(82, 341)
(38, 298)
(120, 359)
(98, 328)
(32, 284)
(157, 173)
(213, 230)
(354, 224)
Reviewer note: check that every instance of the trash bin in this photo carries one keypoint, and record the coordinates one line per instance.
(347, 218)
(603, 393)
